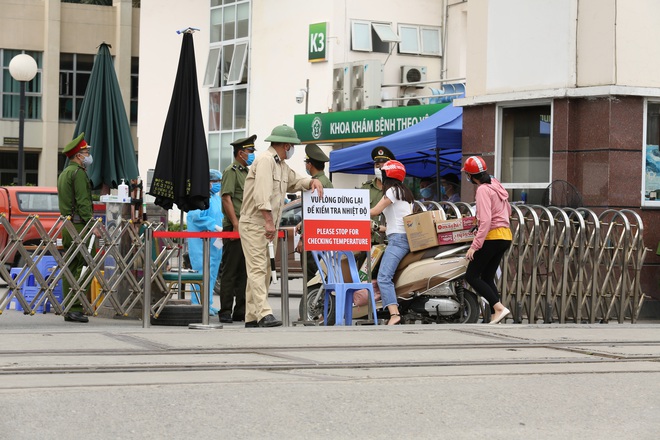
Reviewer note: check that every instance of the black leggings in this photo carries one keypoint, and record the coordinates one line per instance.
(481, 270)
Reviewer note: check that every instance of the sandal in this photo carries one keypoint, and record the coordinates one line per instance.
(394, 314)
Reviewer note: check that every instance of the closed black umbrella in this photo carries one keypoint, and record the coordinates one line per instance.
(181, 175)
(103, 120)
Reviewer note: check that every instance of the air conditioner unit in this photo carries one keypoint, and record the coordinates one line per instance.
(413, 74)
(412, 100)
(341, 87)
(366, 82)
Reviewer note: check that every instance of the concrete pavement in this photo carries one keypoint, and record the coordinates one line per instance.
(112, 379)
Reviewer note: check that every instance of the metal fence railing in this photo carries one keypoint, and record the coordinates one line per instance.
(564, 265)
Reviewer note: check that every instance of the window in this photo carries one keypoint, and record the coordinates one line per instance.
(9, 167)
(227, 72)
(372, 37)
(237, 67)
(231, 21)
(419, 40)
(135, 70)
(651, 176)
(525, 151)
(11, 89)
(75, 71)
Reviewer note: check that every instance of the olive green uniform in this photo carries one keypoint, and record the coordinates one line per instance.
(268, 180)
(75, 199)
(234, 276)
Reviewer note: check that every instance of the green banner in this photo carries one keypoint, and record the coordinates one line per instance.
(317, 42)
(360, 125)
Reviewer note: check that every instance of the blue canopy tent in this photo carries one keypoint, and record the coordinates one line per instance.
(429, 148)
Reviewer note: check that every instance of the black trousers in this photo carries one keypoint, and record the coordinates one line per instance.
(232, 279)
(481, 270)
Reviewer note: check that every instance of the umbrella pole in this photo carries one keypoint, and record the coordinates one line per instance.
(437, 174)
(180, 256)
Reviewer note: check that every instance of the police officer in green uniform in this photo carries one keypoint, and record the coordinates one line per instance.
(75, 200)
(380, 155)
(314, 165)
(233, 276)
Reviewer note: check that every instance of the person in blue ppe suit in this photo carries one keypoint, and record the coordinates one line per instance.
(203, 220)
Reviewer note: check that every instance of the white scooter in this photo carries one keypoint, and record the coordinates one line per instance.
(430, 288)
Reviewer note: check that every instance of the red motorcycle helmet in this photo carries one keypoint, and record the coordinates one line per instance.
(394, 170)
(474, 165)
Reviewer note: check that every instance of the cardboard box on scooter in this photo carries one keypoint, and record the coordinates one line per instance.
(421, 229)
(457, 224)
(455, 237)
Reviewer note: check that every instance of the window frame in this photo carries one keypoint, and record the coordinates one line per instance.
(644, 201)
(32, 98)
(240, 68)
(516, 188)
(421, 49)
(228, 82)
(75, 72)
(375, 28)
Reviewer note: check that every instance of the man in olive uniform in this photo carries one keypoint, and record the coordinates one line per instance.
(314, 165)
(75, 200)
(380, 155)
(233, 277)
(268, 180)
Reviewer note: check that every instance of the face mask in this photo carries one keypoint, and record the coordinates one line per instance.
(249, 159)
(467, 177)
(442, 191)
(87, 160)
(289, 152)
(426, 193)
(307, 171)
(215, 188)
(378, 173)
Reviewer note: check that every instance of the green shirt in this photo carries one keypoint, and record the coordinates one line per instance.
(74, 193)
(321, 177)
(233, 183)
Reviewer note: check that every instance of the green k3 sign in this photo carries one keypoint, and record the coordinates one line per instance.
(317, 42)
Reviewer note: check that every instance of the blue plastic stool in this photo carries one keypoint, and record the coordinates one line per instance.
(333, 280)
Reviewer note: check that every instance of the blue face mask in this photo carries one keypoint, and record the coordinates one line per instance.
(250, 159)
(215, 188)
(442, 191)
(426, 193)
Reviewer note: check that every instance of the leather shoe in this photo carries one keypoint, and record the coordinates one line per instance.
(226, 318)
(269, 321)
(238, 316)
(251, 324)
(75, 317)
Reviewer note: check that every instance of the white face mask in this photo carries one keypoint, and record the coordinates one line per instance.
(378, 173)
(289, 152)
(87, 160)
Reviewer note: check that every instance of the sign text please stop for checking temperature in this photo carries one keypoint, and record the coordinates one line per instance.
(337, 222)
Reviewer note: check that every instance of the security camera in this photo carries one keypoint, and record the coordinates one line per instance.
(300, 96)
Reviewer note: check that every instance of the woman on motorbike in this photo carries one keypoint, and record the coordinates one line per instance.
(493, 237)
(396, 203)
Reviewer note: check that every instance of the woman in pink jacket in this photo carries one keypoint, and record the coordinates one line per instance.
(493, 237)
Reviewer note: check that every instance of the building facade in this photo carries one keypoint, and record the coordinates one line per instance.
(568, 91)
(63, 38)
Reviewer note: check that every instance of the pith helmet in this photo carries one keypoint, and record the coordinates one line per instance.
(284, 134)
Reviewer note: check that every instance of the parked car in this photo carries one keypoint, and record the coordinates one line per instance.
(291, 216)
(18, 202)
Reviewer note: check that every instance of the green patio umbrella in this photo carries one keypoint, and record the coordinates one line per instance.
(103, 119)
